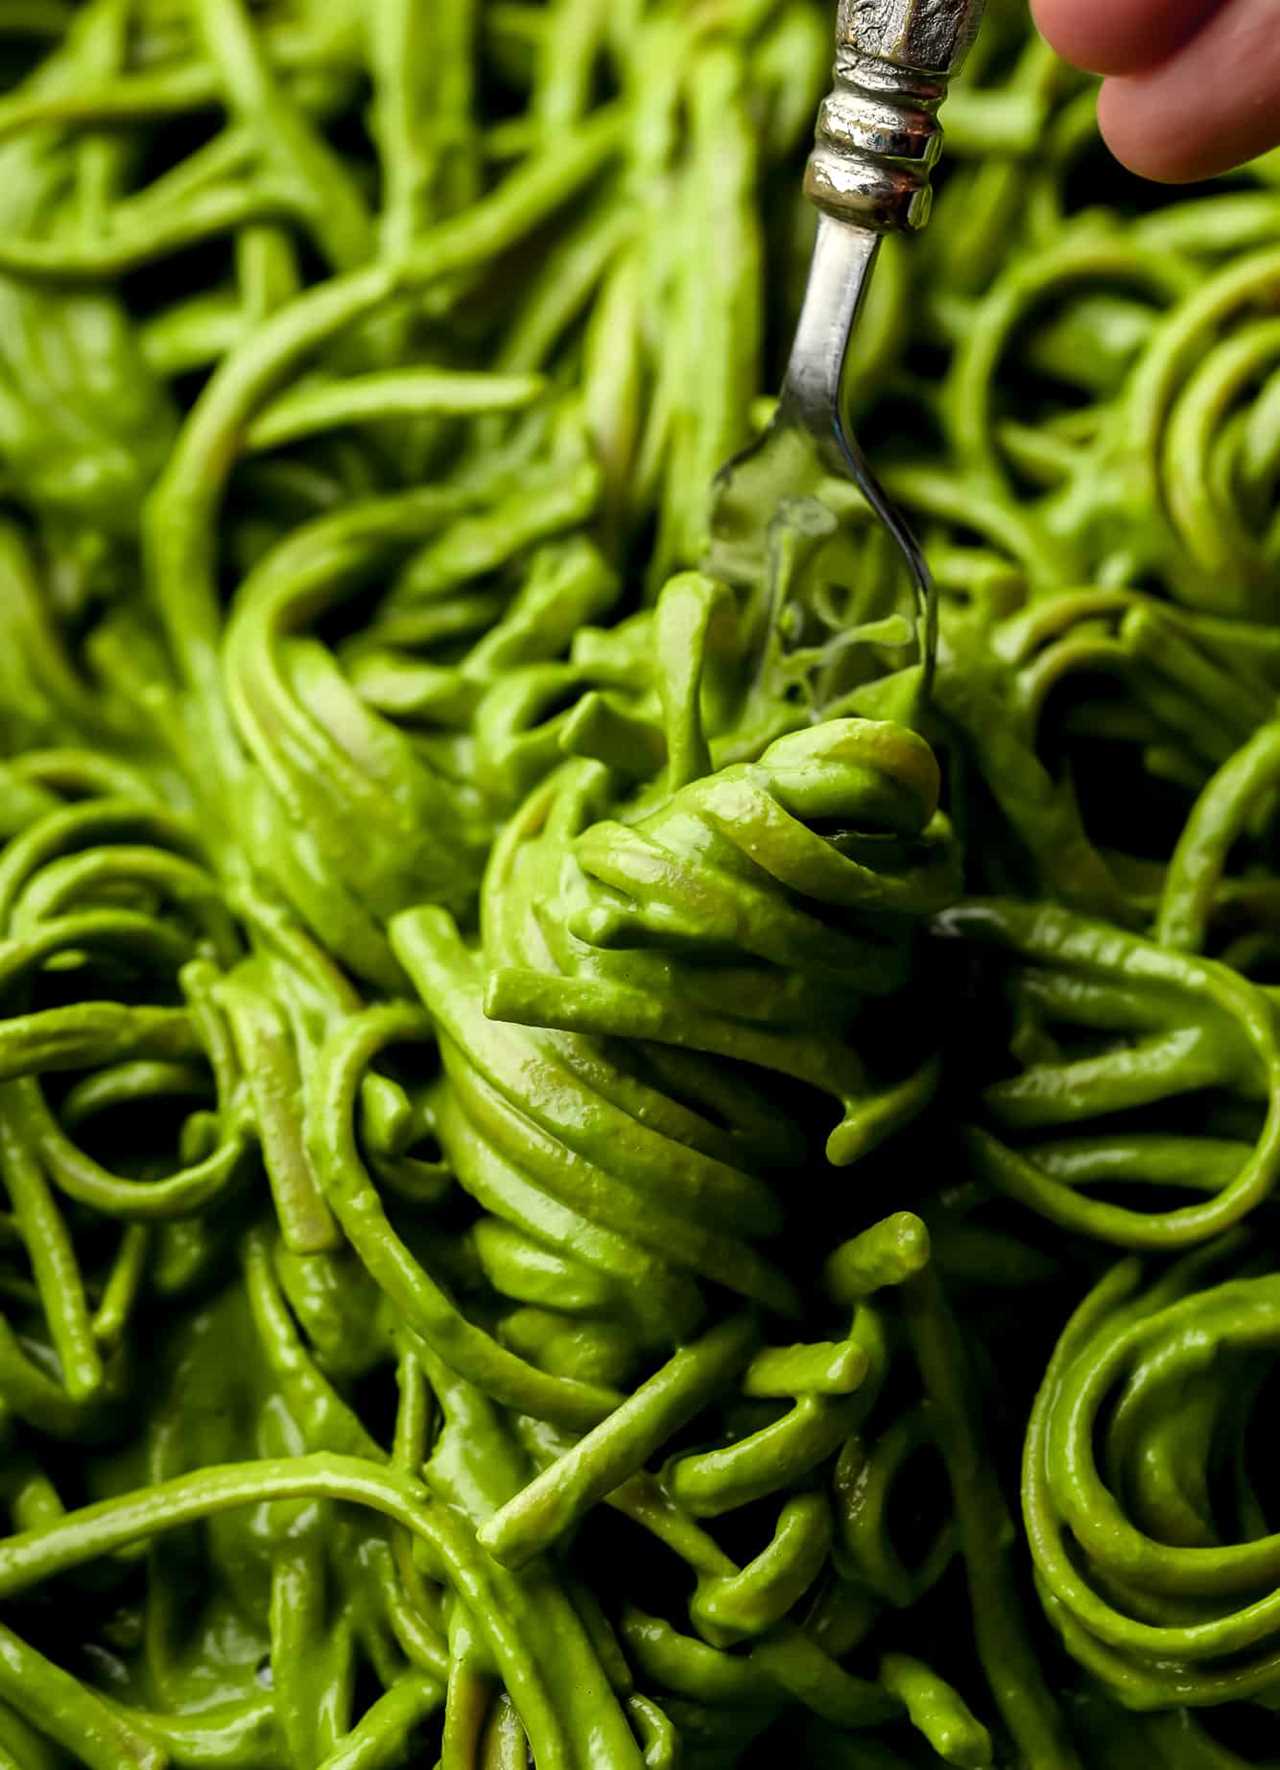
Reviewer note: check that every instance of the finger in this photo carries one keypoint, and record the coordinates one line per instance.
(1120, 36)
(1213, 104)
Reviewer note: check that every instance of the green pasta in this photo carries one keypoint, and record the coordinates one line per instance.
(608, 1163)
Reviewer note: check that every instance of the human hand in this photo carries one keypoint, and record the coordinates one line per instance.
(1192, 87)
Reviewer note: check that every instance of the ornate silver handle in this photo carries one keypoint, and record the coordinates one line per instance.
(878, 132)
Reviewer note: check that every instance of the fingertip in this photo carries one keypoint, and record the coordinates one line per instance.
(1073, 31)
(1139, 139)
(1208, 108)
(1118, 36)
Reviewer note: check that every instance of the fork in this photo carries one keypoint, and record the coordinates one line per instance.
(878, 138)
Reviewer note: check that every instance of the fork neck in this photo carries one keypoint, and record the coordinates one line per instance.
(843, 259)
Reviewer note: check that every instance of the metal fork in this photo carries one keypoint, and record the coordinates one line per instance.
(878, 138)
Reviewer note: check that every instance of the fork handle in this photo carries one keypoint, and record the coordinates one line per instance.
(878, 134)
